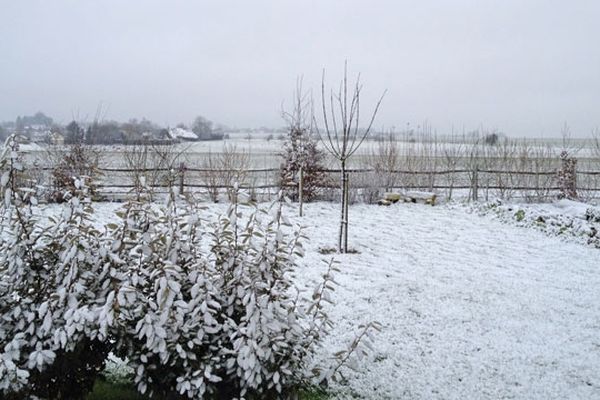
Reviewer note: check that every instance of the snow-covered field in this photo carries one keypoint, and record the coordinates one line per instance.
(471, 307)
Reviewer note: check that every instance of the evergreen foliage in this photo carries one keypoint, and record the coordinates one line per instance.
(300, 151)
(199, 307)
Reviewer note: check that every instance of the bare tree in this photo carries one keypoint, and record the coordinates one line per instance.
(596, 142)
(385, 161)
(224, 169)
(152, 166)
(343, 136)
(453, 153)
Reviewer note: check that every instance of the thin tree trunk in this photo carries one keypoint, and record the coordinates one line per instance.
(342, 219)
(347, 194)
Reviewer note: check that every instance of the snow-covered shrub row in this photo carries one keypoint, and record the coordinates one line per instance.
(50, 284)
(203, 308)
(563, 218)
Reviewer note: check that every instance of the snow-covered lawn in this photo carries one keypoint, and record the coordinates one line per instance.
(471, 307)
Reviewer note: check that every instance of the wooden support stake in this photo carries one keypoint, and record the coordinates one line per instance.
(181, 177)
(301, 189)
(476, 183)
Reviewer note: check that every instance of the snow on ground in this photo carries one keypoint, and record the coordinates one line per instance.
(471, 308)
(568, 219)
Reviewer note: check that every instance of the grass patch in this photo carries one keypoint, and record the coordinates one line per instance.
(114, 391)
(104, 390)
(313, 394)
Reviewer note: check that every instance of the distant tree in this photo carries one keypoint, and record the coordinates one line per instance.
(104, 133)
(3, 133)
(74, 133)
(40, 118)
(202, 127)
(491, 138)
(137, 128)
(19, 125)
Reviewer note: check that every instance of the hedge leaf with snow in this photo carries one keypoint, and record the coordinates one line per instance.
(199, 307)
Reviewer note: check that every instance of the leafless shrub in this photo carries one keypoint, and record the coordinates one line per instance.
(453, 152)
(408, 161)
(223, 170)
(541, 160)
(596, 144)
(69, 163)
(384, 159)
(151, 166)
(505, 160)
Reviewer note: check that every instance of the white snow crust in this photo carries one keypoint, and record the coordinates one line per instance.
(471, 307)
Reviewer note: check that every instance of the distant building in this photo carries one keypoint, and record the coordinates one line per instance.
(183, 134)
(56, 138)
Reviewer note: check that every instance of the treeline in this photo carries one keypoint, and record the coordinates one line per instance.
(41, 128)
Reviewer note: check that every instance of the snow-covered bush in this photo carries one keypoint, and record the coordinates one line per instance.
(207, 308)
(592, 214)
(50, 279)
(300, 151)
(198, 307)
(567, 176)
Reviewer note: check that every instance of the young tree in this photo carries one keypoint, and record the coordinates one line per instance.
(301, 157)
(343, 136)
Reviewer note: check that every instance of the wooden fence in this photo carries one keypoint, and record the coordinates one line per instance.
(473, 183)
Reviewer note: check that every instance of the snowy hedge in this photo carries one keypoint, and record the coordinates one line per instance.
(199, 307)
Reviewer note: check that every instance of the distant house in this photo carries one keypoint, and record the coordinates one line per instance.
(183, 134)
(22, 139)
(37, 133)
(56, 138)
(39, 136)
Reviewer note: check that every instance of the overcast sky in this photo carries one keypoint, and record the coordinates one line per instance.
(524, 67)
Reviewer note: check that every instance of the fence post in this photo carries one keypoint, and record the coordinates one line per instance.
(430, 181)
(475, 183)
(301, 189)
(181, 177)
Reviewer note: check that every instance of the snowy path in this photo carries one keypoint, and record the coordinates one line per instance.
(471, 308)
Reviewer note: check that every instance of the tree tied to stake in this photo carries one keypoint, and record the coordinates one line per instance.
(343, 136)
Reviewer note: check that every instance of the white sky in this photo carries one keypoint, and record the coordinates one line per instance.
(524, 67)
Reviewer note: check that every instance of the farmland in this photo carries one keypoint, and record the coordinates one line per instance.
(454, 167)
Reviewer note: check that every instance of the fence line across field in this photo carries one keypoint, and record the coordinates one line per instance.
(327, 170)
(474, 180)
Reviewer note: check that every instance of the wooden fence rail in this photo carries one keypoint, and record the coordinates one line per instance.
(474, 180)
